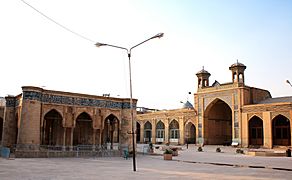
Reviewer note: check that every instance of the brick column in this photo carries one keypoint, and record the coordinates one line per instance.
(64, 138)
(267, 125)
(142, 133)
(166, 140)
(71, 139)
(93, 139)
(153, 133)
(181, 131)
(244, 130)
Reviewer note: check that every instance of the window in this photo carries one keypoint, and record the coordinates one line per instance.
(174, 133)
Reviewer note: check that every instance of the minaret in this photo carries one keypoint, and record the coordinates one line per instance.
(203, 78)
(237, 70)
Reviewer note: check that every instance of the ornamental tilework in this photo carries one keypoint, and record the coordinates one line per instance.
(56, 99)
(10, 102)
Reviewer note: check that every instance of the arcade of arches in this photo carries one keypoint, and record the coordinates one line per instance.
(56, 118)
(83, 133)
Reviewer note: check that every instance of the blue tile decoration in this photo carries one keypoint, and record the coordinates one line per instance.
(49, 98)
(10, 102)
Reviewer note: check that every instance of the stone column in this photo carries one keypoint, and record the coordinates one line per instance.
(64, 138)
(153, 133)
(267, 125)
(9, 124)
(30, 129)
(71, 139)
(93, 139)
(142, 133)
(181, 131)
(166, 132)
(244, 130)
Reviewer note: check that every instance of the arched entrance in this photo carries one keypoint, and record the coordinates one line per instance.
(174, 131)
(255, 131)
(218, 124)
(147, 132)
(111, 130)
(53, 130)
(281, 131)
(83, 131)
(190, 133)
(160, 129)
(1, 129)
(138, 133)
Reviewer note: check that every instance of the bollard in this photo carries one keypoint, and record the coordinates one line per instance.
(288, 152)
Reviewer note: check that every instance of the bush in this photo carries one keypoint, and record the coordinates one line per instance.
(167, 151)
(218, 149)
(200, 149)
(239, 151)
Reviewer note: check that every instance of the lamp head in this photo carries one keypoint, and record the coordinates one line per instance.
(159, 35)
(100, 44)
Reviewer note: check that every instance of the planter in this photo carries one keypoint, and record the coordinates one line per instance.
(167, 156)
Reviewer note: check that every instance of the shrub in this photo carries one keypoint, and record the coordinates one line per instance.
(200, 149)
(167, 151)
(218, 149)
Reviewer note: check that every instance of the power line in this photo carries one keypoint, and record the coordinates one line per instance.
(62, 26)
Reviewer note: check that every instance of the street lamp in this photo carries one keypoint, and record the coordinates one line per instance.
(98, 44)
(287, 81)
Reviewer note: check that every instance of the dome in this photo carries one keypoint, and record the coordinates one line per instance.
(188, 105)
(237, 64)
(203, 71)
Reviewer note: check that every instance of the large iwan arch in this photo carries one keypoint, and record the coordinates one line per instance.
(218, 123)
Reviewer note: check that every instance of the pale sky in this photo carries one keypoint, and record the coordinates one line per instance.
(211, 33)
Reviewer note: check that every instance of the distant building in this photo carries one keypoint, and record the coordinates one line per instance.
(223, 114)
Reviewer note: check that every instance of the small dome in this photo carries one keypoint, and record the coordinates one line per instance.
(237, 64)
(188, 105)
(203, 71)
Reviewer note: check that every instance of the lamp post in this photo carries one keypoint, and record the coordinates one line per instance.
(159, 35)
(287, 81)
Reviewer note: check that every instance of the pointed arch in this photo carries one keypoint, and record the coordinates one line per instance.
(174, 131)
(52, 128)
(111, 130)
(281, 131)
(218, 123)
(83, 131)
(147, 132)
(160, 132)
(190, 133)
(255, 131)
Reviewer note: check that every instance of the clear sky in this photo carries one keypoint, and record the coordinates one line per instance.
(210, 33)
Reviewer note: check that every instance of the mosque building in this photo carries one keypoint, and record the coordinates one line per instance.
(223, 114)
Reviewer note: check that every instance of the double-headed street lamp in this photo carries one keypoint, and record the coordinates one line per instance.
(159, 35)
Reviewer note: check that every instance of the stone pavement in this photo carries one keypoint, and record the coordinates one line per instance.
(190, 164)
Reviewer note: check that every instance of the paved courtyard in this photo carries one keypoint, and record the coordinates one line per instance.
(190, 164)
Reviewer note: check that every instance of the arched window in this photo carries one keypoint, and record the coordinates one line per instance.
(174, 131)
(160, 132)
